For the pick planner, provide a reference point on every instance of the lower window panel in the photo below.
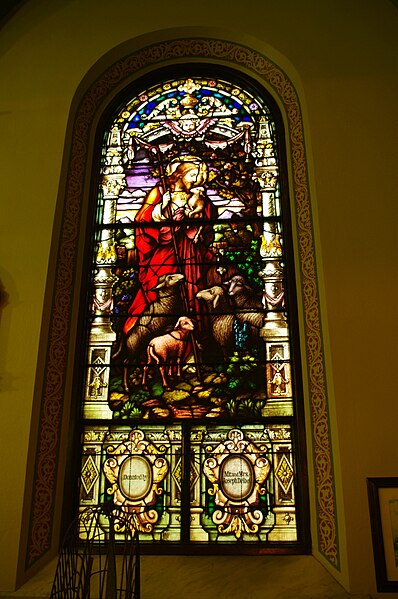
(194, 483)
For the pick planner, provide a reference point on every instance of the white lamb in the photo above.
(168, 349)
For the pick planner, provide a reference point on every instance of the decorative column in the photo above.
(90, 489)
(283, 508)
(196, 482)
(102, 335)
(275, 331)
(172, 532)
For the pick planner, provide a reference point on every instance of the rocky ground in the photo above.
(190, 397)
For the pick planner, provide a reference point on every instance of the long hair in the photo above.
(185, 167)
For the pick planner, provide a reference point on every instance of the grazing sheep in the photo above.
(168, 349)
(248, 304)
(221, 318)
(155, 319)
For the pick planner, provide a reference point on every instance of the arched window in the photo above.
(191, 393)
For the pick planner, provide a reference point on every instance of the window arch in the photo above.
(55, 391)
(192, 399)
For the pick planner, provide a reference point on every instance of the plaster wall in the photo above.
(342, 56)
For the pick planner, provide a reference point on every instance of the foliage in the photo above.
(123, 292)
(246, 407)
(243, 378)
(248, 261)
(241, 365)
(230, 389)
(116, 385)
(132, 407)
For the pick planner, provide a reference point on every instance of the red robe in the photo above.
(157, 255)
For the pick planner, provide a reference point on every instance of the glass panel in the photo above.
(245, 491)
(188, 273)
(188, 321)
(138, 470)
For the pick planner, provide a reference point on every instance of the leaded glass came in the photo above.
(189, 396)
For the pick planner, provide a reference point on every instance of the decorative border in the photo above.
(120, 73)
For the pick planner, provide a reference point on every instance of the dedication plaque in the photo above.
(135, 477)
(237, 478)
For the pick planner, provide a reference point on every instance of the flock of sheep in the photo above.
(162, 335)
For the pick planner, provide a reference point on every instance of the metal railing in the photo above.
(99, 558)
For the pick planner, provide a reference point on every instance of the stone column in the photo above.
(101, 335)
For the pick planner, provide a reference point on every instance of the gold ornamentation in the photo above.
(237, 469)
(135, 468)
(89, 474)
(284, 474)
(288, 518)
(97, 384)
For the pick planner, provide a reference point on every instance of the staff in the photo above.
(154, 151)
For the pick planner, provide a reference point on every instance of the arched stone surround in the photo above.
(52, 395)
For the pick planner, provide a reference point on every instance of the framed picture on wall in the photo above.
(383, 507)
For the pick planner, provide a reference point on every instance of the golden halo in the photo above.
(175, 163)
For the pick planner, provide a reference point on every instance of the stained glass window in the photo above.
(190, 405)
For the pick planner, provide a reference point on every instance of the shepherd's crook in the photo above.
(184, 295)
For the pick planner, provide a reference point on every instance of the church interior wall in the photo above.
(342, 58)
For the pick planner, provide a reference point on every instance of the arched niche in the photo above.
(55, 389)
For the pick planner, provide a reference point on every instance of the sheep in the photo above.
(154, 320)
(195, 206)
(168, 348)
(159, 315)
(217, 273)
(248, 304)
(221, 318)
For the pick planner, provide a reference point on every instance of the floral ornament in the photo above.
(135, 468)
(237, 470)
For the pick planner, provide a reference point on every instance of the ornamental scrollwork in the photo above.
(135, 470)
(237, 470)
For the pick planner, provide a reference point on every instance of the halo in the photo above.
(175, 163)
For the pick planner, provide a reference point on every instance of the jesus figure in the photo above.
(173, 237)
